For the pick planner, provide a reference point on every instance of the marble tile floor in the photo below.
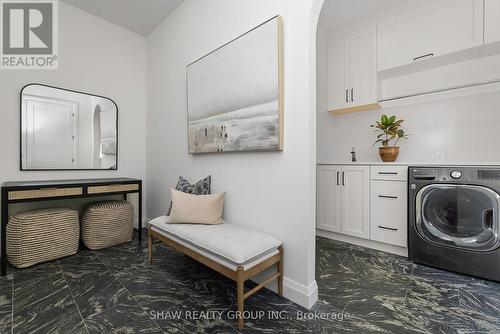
(360, 291)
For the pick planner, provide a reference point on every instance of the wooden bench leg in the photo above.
(280, 270)
(150, 246)
(240, 286)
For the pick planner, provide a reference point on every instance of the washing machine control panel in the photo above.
(427, 175)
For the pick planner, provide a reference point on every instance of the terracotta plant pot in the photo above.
(389, 154)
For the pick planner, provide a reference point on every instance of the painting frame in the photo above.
(278, 137)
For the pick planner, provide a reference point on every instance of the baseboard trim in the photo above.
(402, 251)
(301, 294)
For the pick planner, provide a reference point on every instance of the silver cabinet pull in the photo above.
(347, 95)
(352, 94)
(338, 182)
(424, 56)
(385, 196)
(387, 228)
(388, 173)
(343, 178)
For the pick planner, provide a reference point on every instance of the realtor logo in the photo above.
(29, 34)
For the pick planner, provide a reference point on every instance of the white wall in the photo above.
(271, 192)
(325, 122)
(95, 57)
(464, 128)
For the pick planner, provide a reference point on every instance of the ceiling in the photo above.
(140, 16)
(338, 13)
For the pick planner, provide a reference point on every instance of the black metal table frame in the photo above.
(84, 184)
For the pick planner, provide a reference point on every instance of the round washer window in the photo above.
(459, 216)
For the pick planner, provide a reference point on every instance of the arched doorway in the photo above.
(97, 134)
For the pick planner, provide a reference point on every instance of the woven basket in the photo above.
(42, 235)
(107, 223)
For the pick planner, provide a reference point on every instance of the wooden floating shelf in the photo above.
(365, 107)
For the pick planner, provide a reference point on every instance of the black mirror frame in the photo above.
(61, 169)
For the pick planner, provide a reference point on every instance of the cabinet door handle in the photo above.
(343, 178)
(387, 173)
(338, 182)
(347, 95)
(387, 228)
(352, 94)
(385, 196)
(424, 56)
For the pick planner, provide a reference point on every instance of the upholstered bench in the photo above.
(234, 251)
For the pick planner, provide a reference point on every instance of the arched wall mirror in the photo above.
(63, 129)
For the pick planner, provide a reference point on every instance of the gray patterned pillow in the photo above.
(202, 187)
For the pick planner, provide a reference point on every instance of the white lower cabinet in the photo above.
(389, 212)
(368, 202)
(329, 199)
(343, 200)
(356, 201)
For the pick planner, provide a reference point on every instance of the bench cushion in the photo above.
(230, 242)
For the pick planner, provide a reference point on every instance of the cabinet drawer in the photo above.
(389, 173)
(389, 221)
(44, 193)
(112, 188)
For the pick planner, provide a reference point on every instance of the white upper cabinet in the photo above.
(338, 81)
(363, 66)
(491, 21)
(446, 27)
(352, 81)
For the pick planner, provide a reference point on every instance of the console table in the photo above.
(32, 191)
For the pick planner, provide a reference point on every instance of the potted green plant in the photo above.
(389, 134)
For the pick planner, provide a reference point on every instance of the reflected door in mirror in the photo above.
(50, 134)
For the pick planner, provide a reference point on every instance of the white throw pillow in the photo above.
(196, 209)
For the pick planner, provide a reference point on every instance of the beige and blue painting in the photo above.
(234, 94)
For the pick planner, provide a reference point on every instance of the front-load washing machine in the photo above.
(454, 219)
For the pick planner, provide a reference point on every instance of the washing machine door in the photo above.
(459, 216)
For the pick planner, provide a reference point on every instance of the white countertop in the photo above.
(403, 163)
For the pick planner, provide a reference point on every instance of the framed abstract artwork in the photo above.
(235, 94)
